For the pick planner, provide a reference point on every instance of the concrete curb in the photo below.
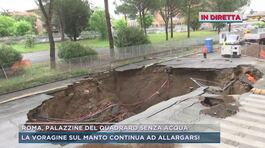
(34, 93)
(258, 91)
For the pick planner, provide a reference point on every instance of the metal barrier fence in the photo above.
(254, 50)
(142, 50)
(38, 74)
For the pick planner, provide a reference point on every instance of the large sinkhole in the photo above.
(115, 96)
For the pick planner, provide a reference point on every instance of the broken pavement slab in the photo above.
(220, 63)
(12, 114)
(137, 65)
(46, 88)
(155, 111)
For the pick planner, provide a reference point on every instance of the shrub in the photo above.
(130, 36)
(69, 50)
(30, 41)
(260, 25)
(148, 21)
(22, 27)
(119, 24)
(9, 56)
(98, 23)
(6, 25)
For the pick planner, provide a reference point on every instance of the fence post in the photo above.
(258, 54)
(80, 60)
(138, 51)
(70, 66)
(4, 72)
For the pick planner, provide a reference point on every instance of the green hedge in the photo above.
(9, 56)
(130, 36)
(69, 50)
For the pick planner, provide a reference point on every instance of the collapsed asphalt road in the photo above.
(115, 96)
(173, 114)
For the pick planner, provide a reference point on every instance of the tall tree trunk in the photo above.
(166, 30)
(219, 28)
(62, 29)
(126, 19)
(188, 24)
(141, 19)
(171, 26)
(48, 18)
(144, 25)
(229, 27)
(111, 43)
(52, 45)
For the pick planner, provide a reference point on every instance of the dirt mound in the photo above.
(221, 110)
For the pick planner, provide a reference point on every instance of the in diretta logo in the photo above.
(220, 17)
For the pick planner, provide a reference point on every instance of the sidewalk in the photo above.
(37, 90)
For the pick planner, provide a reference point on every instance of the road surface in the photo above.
(44, 56)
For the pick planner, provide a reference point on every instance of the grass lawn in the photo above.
(45, 46)
(97, 43)
(38, 47)
(161, 37)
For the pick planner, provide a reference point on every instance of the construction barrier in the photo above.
(258, 91)
(262, 54)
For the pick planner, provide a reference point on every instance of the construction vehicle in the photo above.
(256, 36)
(231, 43)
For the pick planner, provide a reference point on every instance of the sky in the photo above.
(22, 5)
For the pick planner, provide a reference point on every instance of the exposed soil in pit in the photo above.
(220, 106)
(115, 96)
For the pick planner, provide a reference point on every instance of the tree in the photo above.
(167, 9)
(142, 6)
(6, 25)
(174, 9)
(22, 27)
(73, 16)
(5, 12)
(130, 36)
(126, 10)
(59, 19)
(148, 20)
(225, 6)
(99, 24)
(163, 9)
(194, 19)
(119, 24)
(46, 7)
(187, 6)
(218, 26)
(31, 19)
(111, 42)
